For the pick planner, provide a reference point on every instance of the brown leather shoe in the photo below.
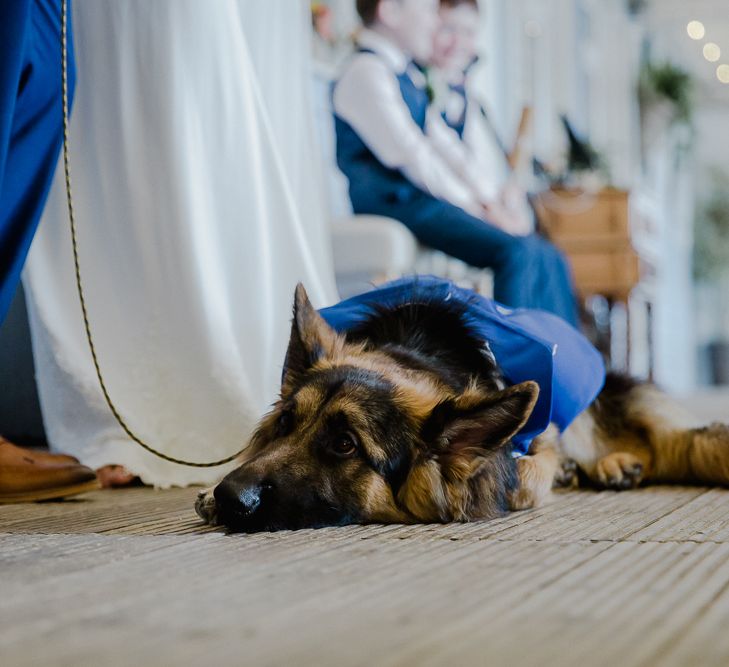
(34, 454)
(24, 479)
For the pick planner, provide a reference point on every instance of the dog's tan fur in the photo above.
(661, 444)
(627, 437)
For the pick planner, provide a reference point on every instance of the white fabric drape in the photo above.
(199, 208)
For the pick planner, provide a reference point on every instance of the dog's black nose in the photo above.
(245, 500)
(239, 500)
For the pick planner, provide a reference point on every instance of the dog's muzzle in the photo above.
(241, 501)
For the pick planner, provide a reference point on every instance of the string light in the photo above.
(696, 30)
(712, 52)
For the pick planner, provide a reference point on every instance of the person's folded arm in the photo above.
(459, 157)
(368, 97)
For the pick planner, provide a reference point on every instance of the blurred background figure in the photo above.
(455, 54)
(623, 153)
(403, 161)
(329, 48)
(322, 22)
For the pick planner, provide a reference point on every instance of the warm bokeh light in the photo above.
(696, 30)
(712, 52)
(722, 73)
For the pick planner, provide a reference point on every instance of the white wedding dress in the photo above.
(199, 208)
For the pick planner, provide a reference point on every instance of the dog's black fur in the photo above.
(428, 342)
(408, 419)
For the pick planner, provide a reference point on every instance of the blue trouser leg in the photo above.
(555, 282)
(30, 126)
(529, 272)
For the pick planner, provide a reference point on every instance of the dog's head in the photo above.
(359, 437)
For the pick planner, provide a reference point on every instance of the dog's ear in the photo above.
(460, 434)
(475, 422)
(311, 338)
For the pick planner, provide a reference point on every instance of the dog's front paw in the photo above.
(534, 487)
(620, 471)
(205, 507)
(566, 475)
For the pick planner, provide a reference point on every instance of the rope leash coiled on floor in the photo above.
(79, 285)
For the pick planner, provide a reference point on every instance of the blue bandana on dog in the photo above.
(528, 345)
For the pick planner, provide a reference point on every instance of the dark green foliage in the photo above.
(711, 231)
(581, 156)
(636, 7)
(668, 82)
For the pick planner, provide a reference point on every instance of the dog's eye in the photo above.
(344, 445)
(285, 423)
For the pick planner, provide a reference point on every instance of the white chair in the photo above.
(372, 249)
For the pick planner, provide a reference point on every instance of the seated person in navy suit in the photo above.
(455, 54)
(403, 161)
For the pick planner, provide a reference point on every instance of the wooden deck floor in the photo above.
(131, 577)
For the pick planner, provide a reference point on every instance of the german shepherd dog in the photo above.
(408, 419)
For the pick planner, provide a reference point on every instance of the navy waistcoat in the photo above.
(458, 124)
(368, 178)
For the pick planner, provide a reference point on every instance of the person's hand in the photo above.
(506, 220)
(512, 195)
(514, 199)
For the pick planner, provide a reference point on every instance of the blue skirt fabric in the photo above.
(31, 127)
(528, 345)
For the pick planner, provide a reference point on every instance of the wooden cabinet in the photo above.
(593, 229)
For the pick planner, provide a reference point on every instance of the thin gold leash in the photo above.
(79, 284)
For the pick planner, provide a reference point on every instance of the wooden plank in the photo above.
(703, 519)
(621, 607)
(637, 578)
(202, 597)
(705, 641)
(583, 515)
(99, 512)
